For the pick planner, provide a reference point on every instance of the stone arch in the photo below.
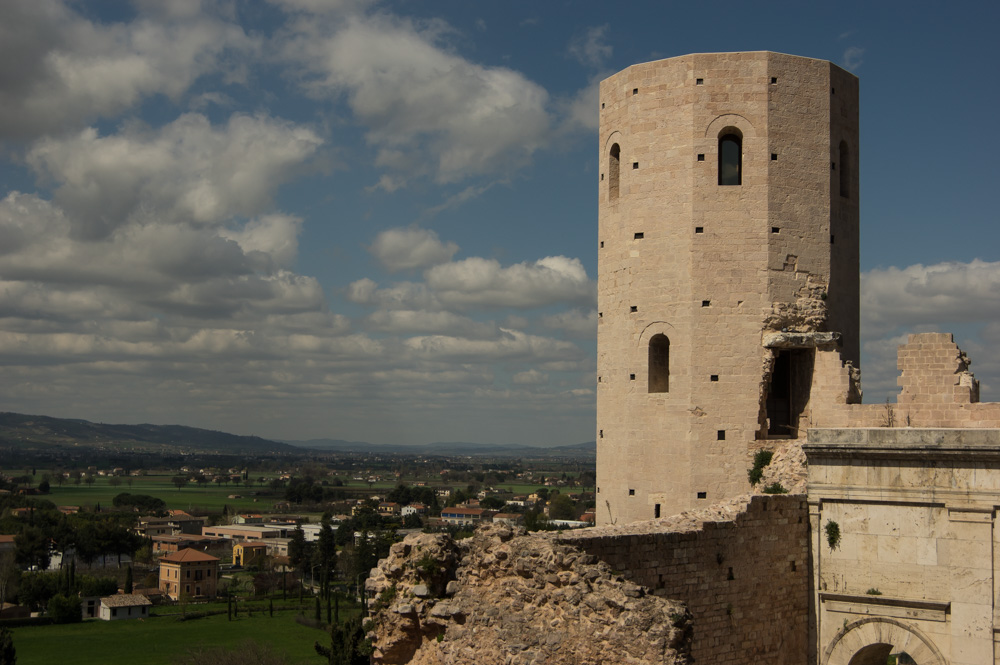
(734, 120)
(868, 639)
(611, 161)
(653, 357)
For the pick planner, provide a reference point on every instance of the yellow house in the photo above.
(248, 554)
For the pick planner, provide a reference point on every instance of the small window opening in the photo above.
(699, 81)
(793, 566)
(833, 166)
(631, 492)
(598, 379)
(775, 229)
(631, 377)
(714, 377)
(602, 244)
(659, 364)
(720, 435)
(602, 177)
(633, 308)
(831, 239)
(730, 576)
(640, 235)
(613, 164)
(730, 158)
(702, 495)
(602, 434)
(833, 91)
(635, 91)
(701, 156)
(774, 156)
(774, 79)
(656, 511)
(602, 105)
(845, 170)
(635, 165)
(699, 229)
(706, 303)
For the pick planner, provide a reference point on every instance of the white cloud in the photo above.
(918, 294)
(404, 249)
(427, 110)
(853, 57)
(590, 47)
(59, 69)
(479, 282)
(530, 377)
(575, 323)
(185, 171)
(511, 345)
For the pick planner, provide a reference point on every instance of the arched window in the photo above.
(845, 170)
(730, 157)
(614, 159)
(659, 364)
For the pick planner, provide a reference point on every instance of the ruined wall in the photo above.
(741, 567)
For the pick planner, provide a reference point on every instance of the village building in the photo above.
(189, 572)
(124, 606)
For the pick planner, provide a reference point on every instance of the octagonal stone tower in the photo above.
(728, 257)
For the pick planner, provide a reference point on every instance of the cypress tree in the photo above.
(7, 654)
(128, 580)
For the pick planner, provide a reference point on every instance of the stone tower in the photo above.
(728, 256)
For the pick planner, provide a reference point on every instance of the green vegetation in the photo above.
(775, 488)
(162, 640)
(832, 534)
(873, 592)
(760, 460)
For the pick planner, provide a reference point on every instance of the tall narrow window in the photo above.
(659, 364)
(730, 158)
(845, 170)
(613, 171)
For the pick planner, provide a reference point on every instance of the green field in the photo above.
(209, 497)
(162, 640)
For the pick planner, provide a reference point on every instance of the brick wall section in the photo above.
(760, 615)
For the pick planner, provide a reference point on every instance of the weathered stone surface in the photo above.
(517, 599)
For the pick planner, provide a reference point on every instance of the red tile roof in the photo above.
(187, 555)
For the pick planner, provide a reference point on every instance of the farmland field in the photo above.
(162, 640)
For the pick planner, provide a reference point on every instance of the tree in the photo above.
(89, 480)
(44, 487)
(7, 654)
(114, 481)
(128, 580)
(561, 507)
(348, 645)
(179, 482)
(9, 575)
(64, 609)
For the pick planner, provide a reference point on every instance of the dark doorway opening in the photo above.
(788, 391)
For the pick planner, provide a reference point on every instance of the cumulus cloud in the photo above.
(404, 249)
(531, 377)
(427, 110)
(185, 171)
(59, 69)
(484, 282)
(574, 323)
(918, 294)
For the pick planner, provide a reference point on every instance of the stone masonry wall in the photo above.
(741, 567)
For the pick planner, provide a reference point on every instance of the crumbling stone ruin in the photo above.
(727, 325)
(503, 597)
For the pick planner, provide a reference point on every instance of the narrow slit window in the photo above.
(845, 170)
(659, 364)
(731, 158)
(614, 160)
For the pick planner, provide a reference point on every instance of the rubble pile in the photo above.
(507, 598)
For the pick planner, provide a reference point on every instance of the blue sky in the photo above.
(377, 220)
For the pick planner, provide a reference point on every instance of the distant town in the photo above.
(159, 531)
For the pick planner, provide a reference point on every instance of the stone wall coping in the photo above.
(867, 599)
(800, 340)
(896, 443)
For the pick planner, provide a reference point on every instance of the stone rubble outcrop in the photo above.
(787, 467)
(504, 597)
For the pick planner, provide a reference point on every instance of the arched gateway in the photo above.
(869, 641)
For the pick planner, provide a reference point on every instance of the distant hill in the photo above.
(24, 430)
(587, 449)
